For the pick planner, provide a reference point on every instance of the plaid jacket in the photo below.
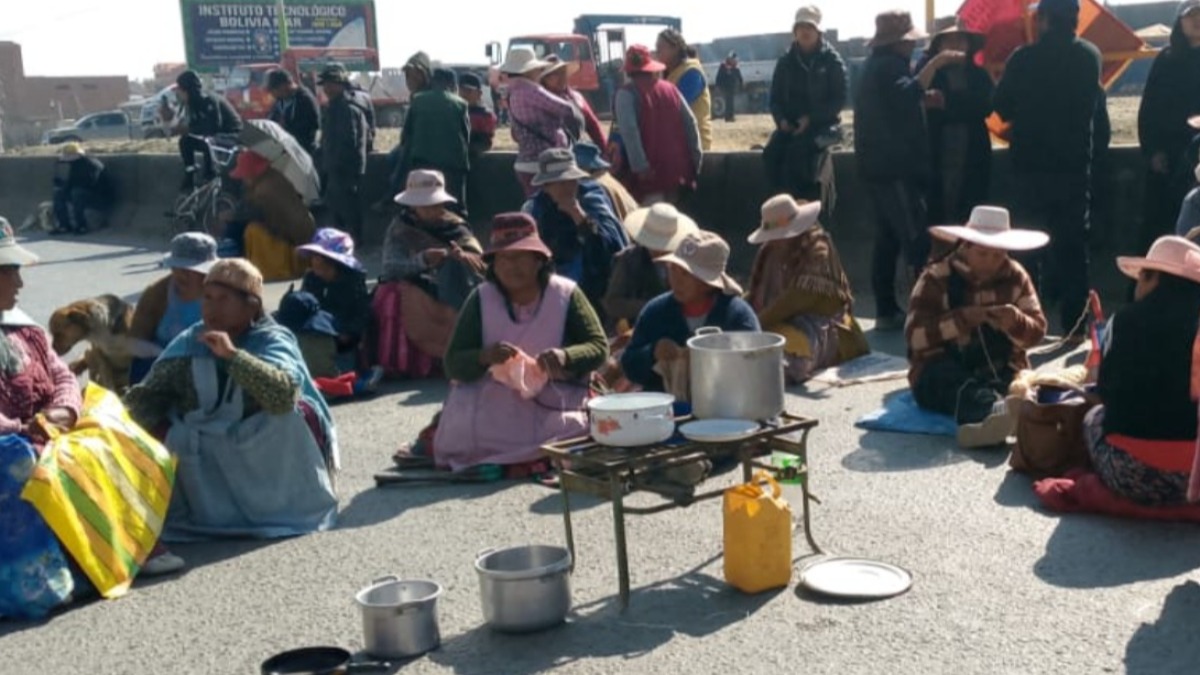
(932, 325)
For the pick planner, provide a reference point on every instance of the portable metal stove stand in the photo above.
(586, 467)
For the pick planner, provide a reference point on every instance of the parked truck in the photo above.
(246, 87)
(596, 49)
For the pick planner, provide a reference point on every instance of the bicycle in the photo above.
(209, 206)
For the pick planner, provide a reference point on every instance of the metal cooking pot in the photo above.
(318, 661)
(525, 588)
(736, 375)
(631, 420)
(400, 617)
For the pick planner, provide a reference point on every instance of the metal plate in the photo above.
(719, 431)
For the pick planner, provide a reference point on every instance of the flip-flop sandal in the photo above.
(405, 459)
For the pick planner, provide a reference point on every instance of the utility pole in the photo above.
(930, 16)
(283, 27)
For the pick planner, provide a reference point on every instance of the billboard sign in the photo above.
(221, 34)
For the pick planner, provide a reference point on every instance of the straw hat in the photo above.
(660, 227)
(557, 165)
(990, 226)
(425, 187)
(12, 253)
(521, 60)
(810, 15)
(1171, 255)
(554, 64)
(515, 232)
(704, 255)
(237, 273)
(783, 217)
(895, 26)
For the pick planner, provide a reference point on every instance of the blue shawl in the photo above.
(277, 346)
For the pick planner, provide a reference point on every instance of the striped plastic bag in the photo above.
(104, 488)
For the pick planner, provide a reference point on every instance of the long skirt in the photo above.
(1125, 475)
(412, 330)
(274, 257)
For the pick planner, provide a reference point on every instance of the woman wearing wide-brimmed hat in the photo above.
(972, 316)
(557, 79)
(526, 342)
(1142, 440)
(957, 105)
(539, 118)
(659, 140)
(702, 294)
(431, 263)
(637, 277)
(800, 290)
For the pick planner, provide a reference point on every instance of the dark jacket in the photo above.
(1145, 375)
(890, 137)
(663, 319)
(729, 78)
(437, 131)
(347, 299)
(362, 100)
(1049, 93)
(210, 114)
(344, 139)
(635, 281)
(968, 109)
(300, 116)
(87, 173)
(1172, 95)
(812, 85)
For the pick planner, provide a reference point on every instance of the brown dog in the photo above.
(103, 322)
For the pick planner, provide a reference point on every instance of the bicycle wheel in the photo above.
(183, 218)
(218, 214)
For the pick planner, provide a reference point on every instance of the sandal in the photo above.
(405, 459)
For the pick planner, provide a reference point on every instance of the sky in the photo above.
(127, 37)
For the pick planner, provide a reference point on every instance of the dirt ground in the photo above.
(747, 132)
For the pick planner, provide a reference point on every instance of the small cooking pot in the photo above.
(400, 617)
(318, 661)
(631, 420)
(524, 589)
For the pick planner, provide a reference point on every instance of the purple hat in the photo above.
(335, 245)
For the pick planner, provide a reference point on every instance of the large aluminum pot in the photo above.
(525, 588)
(632, 420)
(736, 375)
(400, 617)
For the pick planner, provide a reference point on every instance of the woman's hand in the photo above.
(974, 316)
(497, 354)
(554, 362)
(434, 257)
(62, 419)
(219, 343)
(666, 350)
(1004, 317)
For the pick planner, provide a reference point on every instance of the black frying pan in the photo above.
(318, 661)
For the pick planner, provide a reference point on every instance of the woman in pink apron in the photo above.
(520, 357)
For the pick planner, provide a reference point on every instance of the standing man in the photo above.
(437, 135)
(295, 109)
(729, 82)
(344, 134)
(808, 92)
(204, 115)
(892, 147)
(483, 121)
(418, 77)
(1049, 94)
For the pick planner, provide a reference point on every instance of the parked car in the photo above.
(111, 125)
(158, 114)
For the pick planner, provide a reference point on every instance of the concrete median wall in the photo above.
(732, 187)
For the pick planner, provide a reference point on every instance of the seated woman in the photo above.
(524, 315)
(701, 295)
(1142, 439)
(277, 219)
(800, 291)
(338, 281)
(576, 220)
(171, 305)
(254, 439)
(971, 317)
(431, 263)
(40, 398)
(637, 276)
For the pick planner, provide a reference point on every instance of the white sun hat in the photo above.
(521, 60)
(991, 226)
(783, 217)
(660, 227)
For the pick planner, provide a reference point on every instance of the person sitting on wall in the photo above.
(85, 187)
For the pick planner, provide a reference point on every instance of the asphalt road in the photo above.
(1001, 587)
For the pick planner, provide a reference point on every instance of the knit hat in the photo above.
(470, 81)
(704, 255)
(237, 273)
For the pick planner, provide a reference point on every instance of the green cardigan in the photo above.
(583, 340)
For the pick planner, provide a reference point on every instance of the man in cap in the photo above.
(729, 82)
(892, 146)
(295, 109)
(1049, 94)
(343, 154)
(204, 115)
(808, 92)
(418, 77)
(436, 135)
(483, 121)
(84, 187)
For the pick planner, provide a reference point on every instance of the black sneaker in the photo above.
(188, 183)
